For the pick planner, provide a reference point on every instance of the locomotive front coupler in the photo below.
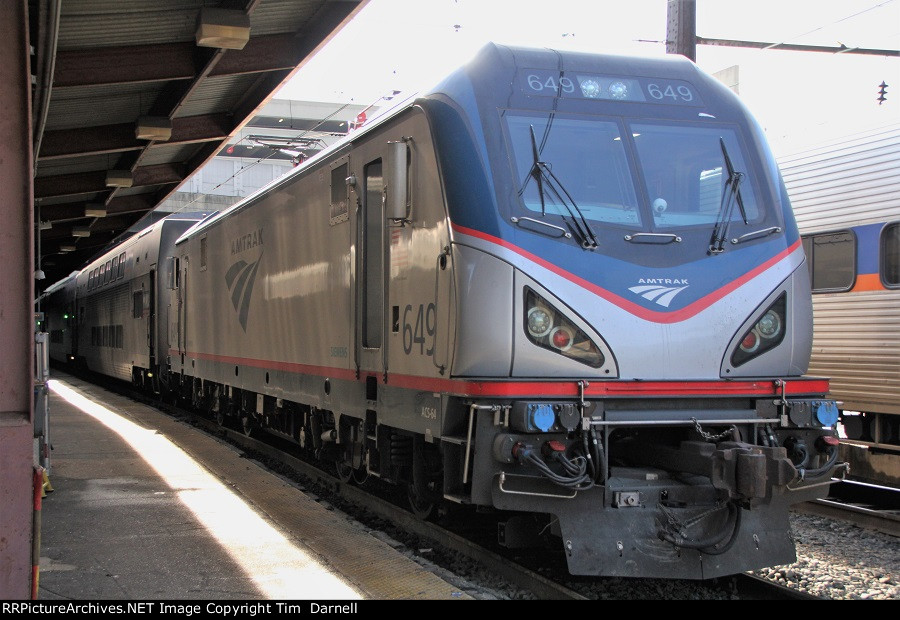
(741, 472)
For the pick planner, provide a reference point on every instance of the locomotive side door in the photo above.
(371, 282)
(177, 327)
(151, 319)
(182, 307)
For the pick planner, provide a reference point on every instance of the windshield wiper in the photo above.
(731, 196)
(536, 172)
(542, 172)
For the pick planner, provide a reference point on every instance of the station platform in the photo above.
(144, 507)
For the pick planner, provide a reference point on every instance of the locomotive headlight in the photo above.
(765, 334)
(539, 322)
(548, 328)
(618, 90)
(769, 326)
(590, 89)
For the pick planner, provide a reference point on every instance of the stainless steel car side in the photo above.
(121, 309)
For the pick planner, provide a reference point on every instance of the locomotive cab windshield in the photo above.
(656, 182)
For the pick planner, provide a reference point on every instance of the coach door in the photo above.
(371, 281)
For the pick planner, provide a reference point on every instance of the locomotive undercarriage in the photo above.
(672, 488)
(357, 447)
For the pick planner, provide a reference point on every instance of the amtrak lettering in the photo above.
(666, 281)
(245, 242)
(659, 290)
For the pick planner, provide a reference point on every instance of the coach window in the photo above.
(831, 258)
(890, 255)
(121, 265)
(339, 211)
(115, 268)
(203, 253)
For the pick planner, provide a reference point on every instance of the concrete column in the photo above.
(16, 304)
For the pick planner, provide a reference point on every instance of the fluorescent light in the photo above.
(119, 178)
(225, 28)
(153, 128)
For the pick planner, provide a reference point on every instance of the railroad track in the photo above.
(753, 588)
(869, 506)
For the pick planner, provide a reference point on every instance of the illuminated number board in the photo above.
(607, 87)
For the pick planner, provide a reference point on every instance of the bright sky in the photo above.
(800, 98)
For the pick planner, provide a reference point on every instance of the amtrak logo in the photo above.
(240, 279)
(659, 290)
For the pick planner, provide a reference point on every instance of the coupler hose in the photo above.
(675, 532)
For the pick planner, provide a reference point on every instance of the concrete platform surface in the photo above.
(145, 507)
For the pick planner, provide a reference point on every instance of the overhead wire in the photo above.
(243, 169)
(843, 19)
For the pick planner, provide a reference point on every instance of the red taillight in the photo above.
(750, 342)
(561, 338)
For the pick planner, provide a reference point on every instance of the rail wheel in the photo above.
(347, 473)
(249, 425)
(344, 471)
(360, 476)
(424, 505)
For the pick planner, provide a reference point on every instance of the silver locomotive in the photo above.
(568, 288)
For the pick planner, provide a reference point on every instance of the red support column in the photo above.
(16, 305)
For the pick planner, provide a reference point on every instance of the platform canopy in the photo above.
(130, 98)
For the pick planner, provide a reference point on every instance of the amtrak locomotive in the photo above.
(567, 288)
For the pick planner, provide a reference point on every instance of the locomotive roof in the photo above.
(492, 60)
(115, 250)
